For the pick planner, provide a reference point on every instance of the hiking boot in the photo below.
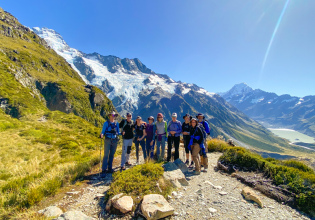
(123, 168)
(191, 164)
(196, 172)
(110, 171)
(128, 163)
(103, 173)
(201, 165)
(205, 170)
(187, 162)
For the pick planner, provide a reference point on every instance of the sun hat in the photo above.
(187, 115)
(113, 113)
(160, 115)
(151, 118)
(200, 114)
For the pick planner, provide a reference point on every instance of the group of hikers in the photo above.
(151, 134)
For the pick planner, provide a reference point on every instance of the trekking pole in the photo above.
(183, 148)
(100, 157)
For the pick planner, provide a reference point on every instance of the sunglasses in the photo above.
(129, 116)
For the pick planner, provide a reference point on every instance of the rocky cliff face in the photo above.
(274, 111)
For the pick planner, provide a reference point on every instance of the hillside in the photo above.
(49, 118)
(272, 110)
(133, 87)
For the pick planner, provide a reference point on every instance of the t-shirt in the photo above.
(150, 131)
(139, 130)
(128, 128)
(185, 127)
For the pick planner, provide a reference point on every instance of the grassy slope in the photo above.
(39, 156)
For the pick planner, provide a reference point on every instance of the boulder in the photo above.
(110, 201)
(175, 175)
(124, 204)
(51, 211)
(155, 206)
(250, 195)
(74, 215)
(181, 165)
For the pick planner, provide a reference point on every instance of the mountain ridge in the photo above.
(274, 110)
(134, 91)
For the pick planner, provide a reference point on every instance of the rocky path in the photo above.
(211, 195)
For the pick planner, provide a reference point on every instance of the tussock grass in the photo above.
(294, 175)
(37, 158)
(140, 181)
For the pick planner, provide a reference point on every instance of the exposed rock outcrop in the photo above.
(51, 211)
(56, 98)
(175, 175)
(155, 206)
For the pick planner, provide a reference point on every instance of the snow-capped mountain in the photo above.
(135, 88)
(121, 79)
(272, 110)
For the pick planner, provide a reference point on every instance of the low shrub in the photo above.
(139, 181)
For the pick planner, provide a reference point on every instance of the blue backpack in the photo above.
(202, 128)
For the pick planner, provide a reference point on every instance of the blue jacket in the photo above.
(111, 130)
(175, 126)
(206, 126)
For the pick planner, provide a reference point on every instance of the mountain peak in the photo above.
(237, 89)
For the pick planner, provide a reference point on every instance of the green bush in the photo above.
(139, 181)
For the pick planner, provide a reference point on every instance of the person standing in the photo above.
(127, 127)
(150, 137)
(203, 154)
(110, 131)
(139, 137)
(196, 140)
(174, 129)
(161, 136)
(186, 138)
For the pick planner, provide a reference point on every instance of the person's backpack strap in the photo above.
(166, 129)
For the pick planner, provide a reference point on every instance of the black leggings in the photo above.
(186, 139)
(170, 141)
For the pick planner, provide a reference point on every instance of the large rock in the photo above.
(124, 204)
(175, 175)
(250, 195)
(111, 201)
(51, 211)
(74, 215)
(181, 165)
(155, 206)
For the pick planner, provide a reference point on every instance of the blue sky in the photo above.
(213, 43)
